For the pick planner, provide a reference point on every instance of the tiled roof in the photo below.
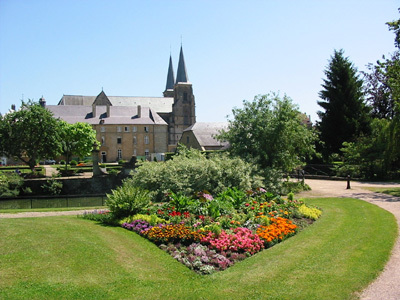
(118, 114)
(157, 104)
(205, 133)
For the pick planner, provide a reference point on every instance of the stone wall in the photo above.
(78, 186)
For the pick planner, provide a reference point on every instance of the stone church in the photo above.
(145, 127)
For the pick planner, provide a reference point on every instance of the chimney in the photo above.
(42, 102)
(139, 111)
(108, 110)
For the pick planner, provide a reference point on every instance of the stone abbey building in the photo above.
(145, 127)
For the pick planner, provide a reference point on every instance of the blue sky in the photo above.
(233, 50)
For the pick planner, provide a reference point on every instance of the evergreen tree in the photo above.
(345, 115)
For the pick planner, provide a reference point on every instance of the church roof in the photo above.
(205, 133)
(118, 114)
(182, 73)
(157, 104)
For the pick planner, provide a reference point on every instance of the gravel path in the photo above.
(42, 214)
(386, 286)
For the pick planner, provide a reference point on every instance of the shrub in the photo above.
(62, 162)
(190, 172)
(127, 200)
(52, 186)
(113, 172)
(73, 162)
(10, 184)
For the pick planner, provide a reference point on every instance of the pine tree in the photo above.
(345, 115)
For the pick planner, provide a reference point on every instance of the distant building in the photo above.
(145, 127)
(202, 136)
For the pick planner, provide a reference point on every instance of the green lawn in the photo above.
(389, 191)
(73, 258)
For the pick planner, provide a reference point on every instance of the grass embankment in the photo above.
(72, 258)
(390, 191)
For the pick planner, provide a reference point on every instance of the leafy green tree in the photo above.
(29, 134)
(378, 87)
(270, 133)
(345, 115)
(383, 91)
(367, 156)
(76, 139)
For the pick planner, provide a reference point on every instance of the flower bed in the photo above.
(209, 234)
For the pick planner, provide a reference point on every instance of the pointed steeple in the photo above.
(181, 74)
(170, 76)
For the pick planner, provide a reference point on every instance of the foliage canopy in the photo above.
(270, 132)
(76, 139)
(29, 134)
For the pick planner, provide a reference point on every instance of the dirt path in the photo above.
(386, 286)
(42, 214)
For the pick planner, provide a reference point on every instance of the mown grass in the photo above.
(395, 191)
(73, 258)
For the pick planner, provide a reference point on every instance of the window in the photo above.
(187, 140)
(134, 152)
(146, 152)
(146, 139)
(119, 154)
(119, 129)
(103, 140)
(185, 98)
(102, 129)
(126, 129)
(134, 140)
(119, 140)
(134, 128)
(146, 128)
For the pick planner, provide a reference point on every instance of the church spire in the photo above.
(170, 76)
(169, 88)
(181, 74)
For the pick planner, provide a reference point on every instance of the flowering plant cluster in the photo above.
(241, 240)
(172, 233)
(201, 259)
(210, 233)
(137, 226)
(279, 229)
